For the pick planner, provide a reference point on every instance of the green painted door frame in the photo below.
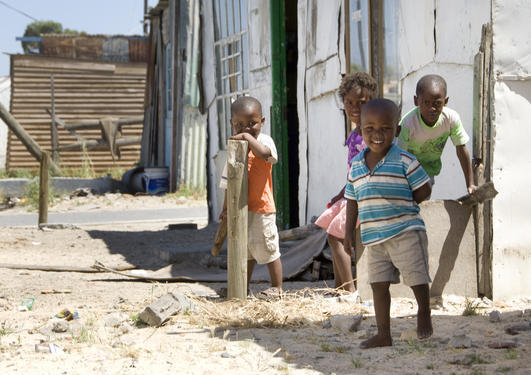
(279, 126)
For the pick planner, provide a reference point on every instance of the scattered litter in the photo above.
(49, 227)
(26, 304)
(226, 355)
(56, 291)
(34, 243)
(67, 315)
(82, 192)
(48, 348)
(60, 326)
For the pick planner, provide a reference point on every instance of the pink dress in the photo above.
(334, 218)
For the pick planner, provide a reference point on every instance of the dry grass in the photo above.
(306, 307)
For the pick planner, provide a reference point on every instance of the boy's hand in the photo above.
(471, 189)
(223, 214)
(239, 137)
(349, 244)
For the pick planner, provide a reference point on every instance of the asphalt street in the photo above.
(100, 217)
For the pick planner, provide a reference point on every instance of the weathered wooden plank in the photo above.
(237, 219)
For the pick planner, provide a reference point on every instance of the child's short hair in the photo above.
(359, 80)
(385, 105)
(429, 80)
(244, 101)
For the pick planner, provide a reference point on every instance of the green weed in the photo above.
(325, 347)
(471, 308)
(356, 362)
(187, 192)
(503, 370)
(511, 354)
(31, 195)
(476, 358)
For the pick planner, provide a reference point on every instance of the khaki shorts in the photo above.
(263, 238)
(405, 254)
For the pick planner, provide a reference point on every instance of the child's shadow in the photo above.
(459, 219)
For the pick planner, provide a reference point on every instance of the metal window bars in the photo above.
(230, 46)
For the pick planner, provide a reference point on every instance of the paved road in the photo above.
(100, 217)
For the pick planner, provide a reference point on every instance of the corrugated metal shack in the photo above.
(93, 77)
(174, 125)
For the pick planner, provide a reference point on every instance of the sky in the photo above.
(92, 16)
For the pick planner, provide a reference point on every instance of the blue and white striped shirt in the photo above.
(386, 206)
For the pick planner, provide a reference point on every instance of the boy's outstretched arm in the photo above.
(352, 217)
(259, 149)
(466, 166)
(422, 193)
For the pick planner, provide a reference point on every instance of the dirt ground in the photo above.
(107, 337)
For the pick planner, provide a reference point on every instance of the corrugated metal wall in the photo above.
(83, 90)
(96, 47)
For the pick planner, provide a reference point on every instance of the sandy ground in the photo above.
(105, 338)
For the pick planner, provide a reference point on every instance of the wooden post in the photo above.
(237, 219)
(53, 128)
(32, 146)
(43, 189)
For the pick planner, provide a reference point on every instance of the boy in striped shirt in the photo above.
(384, 188)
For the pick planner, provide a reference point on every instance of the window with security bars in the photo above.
(231, 51)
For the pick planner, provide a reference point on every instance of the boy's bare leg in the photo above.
(250, 268)
(382, 306)
(422, 295)
(342, 265)
(275, 272)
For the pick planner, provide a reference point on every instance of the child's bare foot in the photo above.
(424, 327)
(376, 341)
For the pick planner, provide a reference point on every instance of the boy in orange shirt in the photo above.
(263, 245)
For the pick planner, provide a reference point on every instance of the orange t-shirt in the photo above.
(260, 185)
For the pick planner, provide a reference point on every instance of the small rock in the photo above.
(460, 341)
(226, 355)
(502, 344)
(463, 326)
(408, 334)
(113, 320)
(494, 316)
(516, 329)
(60, 326)
(527, 312)
(346, 323)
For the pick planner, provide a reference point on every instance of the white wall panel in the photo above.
(458, 24)
(512, 44)
(327, 156)
(322, 36)
(323, 78)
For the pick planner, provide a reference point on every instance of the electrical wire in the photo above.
(17, 10)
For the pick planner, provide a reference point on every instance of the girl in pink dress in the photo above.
(356, 89)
